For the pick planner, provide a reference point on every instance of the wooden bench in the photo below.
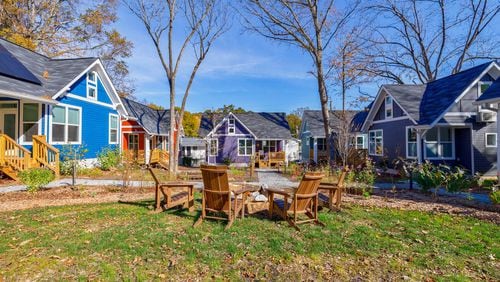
(180, 198)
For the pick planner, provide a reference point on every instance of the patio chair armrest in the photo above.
(305, 196)
(242, 190)
(279, 192)
(329, 186)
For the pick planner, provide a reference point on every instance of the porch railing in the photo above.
(45, 155)
(13, 156)
(159, 157)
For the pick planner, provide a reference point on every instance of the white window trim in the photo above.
(486, 140)
(382, 135)
(386, 108)
(39, 122)
(93, 85)
(251, 150)
(231, 126)
(210, 147)
(356, 141)
(480, 83)
(117, 129)
(16, 111)
(439, 147)
(79, 142)
(408, 143)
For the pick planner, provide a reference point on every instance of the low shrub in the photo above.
(92, 172)
(35, 178)
(227, 161)
(457, 179)
(428, 176)
(495, 196)
(108, 158)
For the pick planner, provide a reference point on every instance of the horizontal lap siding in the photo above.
(394, 139)
(484, 158)
(228, 144)
(95, 126)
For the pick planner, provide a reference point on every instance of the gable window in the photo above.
(388, 107)
(113, 129)
(213, 147)
(411, 143)
(66, 124)
(92, 85)
(483, 85)
(439, 143)
(231, 129)
(30, 121)
(245, 147)
(490, 139)
(321, 144)
(376, 142)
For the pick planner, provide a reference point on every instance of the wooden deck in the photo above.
(269, 160)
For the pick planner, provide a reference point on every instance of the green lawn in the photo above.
(124, 242)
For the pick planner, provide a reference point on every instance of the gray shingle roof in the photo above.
(60, 71)
(263, 125)
(493, 92)
(153, 121)
(426, 102)
(314, 121)
(192, 141)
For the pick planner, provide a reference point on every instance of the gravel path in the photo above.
(272, 178)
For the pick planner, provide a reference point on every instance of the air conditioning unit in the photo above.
(486, 116)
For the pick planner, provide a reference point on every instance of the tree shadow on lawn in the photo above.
(177, 210)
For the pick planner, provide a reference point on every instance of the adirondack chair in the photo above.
(334, 197)
(303, 201)
(170, 199)
(218, 198)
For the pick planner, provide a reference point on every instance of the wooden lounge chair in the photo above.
(334, 198)
(217, 196)
(179, 198)
(304, 200)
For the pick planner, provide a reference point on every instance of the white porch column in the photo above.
(419, 146)
(498, 142)
(315, 150)
(146, 147)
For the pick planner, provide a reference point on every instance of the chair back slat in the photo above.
(215, 178)
(308, 185)
(342, 178)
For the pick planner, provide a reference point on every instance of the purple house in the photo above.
(444, 121)
(235, 138)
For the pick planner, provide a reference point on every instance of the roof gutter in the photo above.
(19, 95)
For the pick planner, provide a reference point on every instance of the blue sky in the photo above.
(243, 69)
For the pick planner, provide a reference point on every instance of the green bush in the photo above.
(457, 179)
(227, 161)
(428, 176)
(35, 178)
(108, 158)
(495, 196)
(367, 175)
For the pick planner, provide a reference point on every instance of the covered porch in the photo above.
(269, 153)
(24, 135)
(142, 148)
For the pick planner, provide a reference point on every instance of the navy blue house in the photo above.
(63, 101)
(443, 121)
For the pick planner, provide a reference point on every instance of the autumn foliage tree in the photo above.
(69, 28)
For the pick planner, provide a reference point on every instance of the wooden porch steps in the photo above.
(8, 171)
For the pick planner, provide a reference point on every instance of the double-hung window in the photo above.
(358, 142)
(213, 147)
(439, 143)
(388, 107)
(321, 144)
(490, 139)
(376, 142)
(66, 124)
(30, 121)
(92, 85)
(113, 129)
(411, 143)
(245, 147)
(231, 129)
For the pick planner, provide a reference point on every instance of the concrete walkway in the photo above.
(271, 178)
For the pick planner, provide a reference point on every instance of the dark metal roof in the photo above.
(263, 125)
(153, 121)
(313, 119)
(54, 74)
(493, 92)
(426, 102)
